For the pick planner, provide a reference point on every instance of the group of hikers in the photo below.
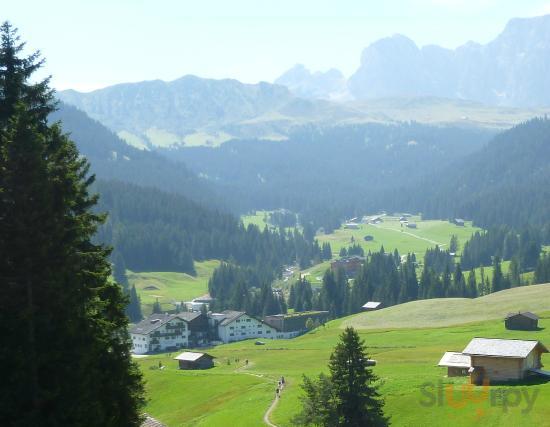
(280, 386)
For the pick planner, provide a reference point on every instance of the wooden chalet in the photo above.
(499, 360)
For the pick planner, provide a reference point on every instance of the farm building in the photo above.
(411, 225)
(459, 221)
(192, 360)
(351, 226)
(496, 360)
(292, 325)
(371, 306)
(351, 264)
(525, 321)
(457, 364)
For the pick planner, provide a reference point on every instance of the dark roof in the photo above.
(524, 314)
(155, 321)
(230, 316)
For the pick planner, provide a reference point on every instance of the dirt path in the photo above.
(242, 370)
(272, 408)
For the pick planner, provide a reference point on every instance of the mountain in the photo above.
(112, 158)
(196, 111)
(505, 182)
(511, 70)
(318, 85)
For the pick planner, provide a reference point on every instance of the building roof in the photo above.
(496, 347)
(190, 356)
(155, 321)
(230, 316)
(372, 304)
(527, 314)
(151, 422)
(204, 298)
(454, 359)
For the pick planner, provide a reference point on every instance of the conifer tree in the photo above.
(157, 308)
(349, 396)
(358, 401)
(134, 306)
(498, 283)
(64, 330)
(471, 285)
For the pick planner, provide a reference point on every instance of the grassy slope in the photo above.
(172, 286)
(407, 359)
(452, 311)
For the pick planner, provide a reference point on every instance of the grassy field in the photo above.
(235, 394)
(169, 286)
(257, 218)
(392, 236)
(452, 311)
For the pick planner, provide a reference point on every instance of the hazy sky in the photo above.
(90, 44)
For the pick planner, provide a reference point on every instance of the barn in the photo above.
(192, 360)
(525, 321)
(499, 360)
(457, 364)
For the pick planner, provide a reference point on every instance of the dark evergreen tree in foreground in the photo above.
(65, 350)
(348, 396)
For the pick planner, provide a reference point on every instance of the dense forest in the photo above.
(506, 182)
(112, 159)
(157, 231)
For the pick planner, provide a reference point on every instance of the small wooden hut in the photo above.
(192, 360)
(525, 321)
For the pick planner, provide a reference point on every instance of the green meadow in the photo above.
(169, 286)
(392, 235)
(416, 391)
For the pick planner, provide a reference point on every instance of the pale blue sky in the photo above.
(92, 44)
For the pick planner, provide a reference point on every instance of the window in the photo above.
(242, 327)
(259, 332)
(268, 331)
(231, 327)
(231, 334)
(248, 320)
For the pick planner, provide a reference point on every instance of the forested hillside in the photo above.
(158, 231)
(329, 173)
(505, 182)
(112, 158)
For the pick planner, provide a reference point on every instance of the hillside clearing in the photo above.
(170, 286)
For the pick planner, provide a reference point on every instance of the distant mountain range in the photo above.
(473, 85)
(195, 111)
(509, 71)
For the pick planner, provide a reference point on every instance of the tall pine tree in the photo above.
(66, 345)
